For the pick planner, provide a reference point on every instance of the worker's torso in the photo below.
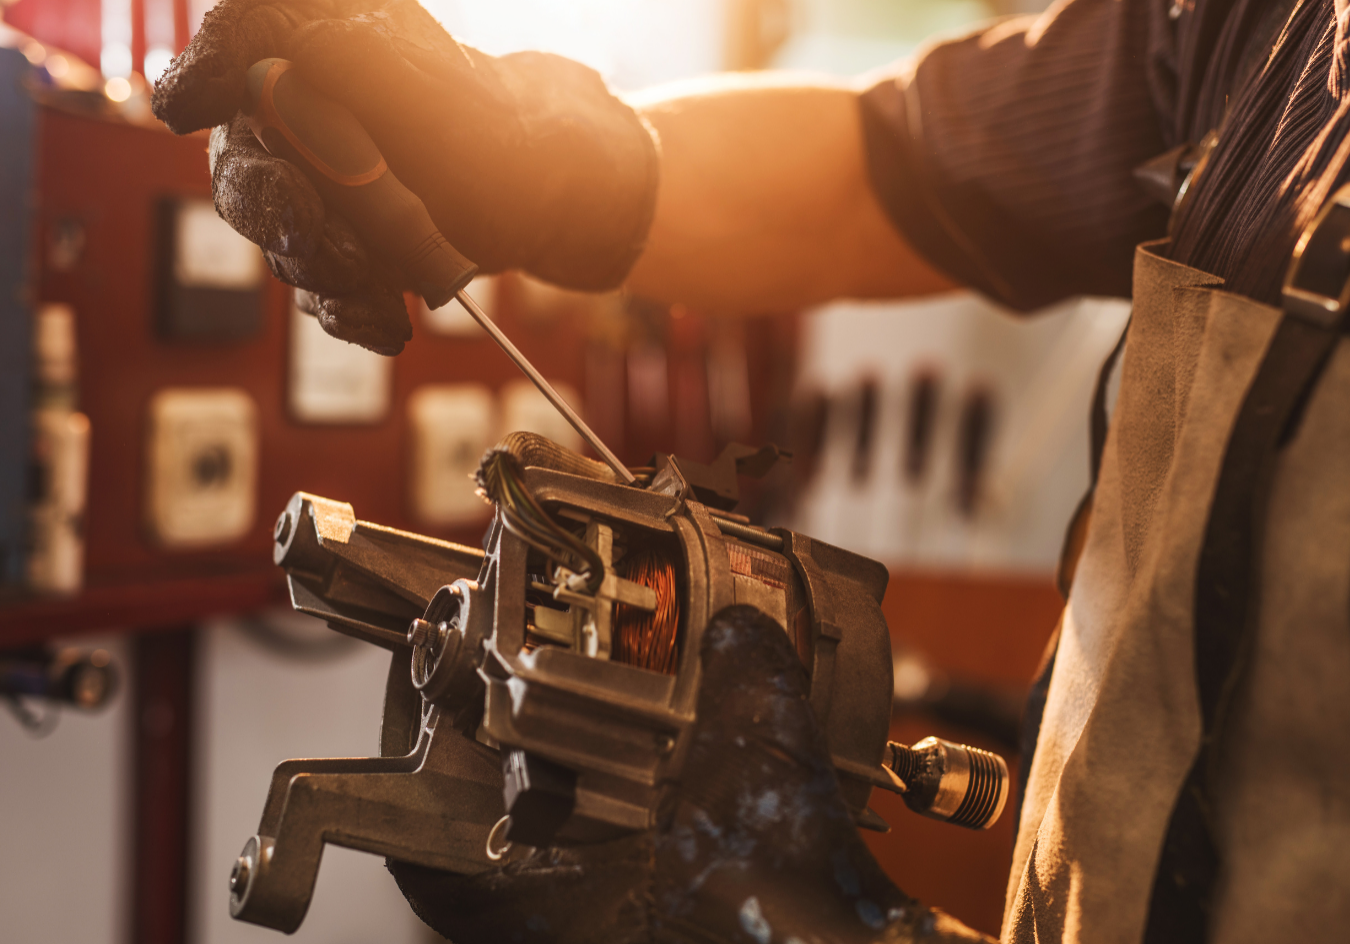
(1122, 723)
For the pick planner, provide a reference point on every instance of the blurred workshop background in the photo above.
(161, 398)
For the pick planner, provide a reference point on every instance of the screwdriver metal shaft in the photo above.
(545, 387)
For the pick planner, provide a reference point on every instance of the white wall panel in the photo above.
(255, 709)
(63, 824)
(1039, 371)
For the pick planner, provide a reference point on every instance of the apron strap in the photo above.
(1075, 536)
(1099, 422)
(1316, 293)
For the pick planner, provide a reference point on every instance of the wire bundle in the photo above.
(501, 481)
(645, 639)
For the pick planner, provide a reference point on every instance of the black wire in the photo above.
(522, 503)
(523, 524)
(501, 479)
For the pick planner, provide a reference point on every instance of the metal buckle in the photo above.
(1198, 159)
(1317, 286)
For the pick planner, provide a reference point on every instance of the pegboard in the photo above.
(99, 184)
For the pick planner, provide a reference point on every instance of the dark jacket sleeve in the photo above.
(1005, 157)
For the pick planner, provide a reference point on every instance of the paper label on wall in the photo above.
(202, 465)
(452, 319)
(525, 409)
(332, 381)
(451, 426)
(55, 561)
(208, 253)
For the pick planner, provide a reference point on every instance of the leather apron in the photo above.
(1122, 721)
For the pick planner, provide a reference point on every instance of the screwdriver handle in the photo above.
(325, 140)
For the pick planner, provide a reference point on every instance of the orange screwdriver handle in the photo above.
(294, 122)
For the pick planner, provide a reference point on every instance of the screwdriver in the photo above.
(295, 122)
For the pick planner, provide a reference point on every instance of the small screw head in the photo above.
(239, 875)
(420, 632)
(282, 531)
(665, 743)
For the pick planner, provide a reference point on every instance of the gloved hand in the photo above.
(756, 845)
(523, 161)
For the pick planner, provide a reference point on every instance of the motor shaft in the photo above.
(954, 783)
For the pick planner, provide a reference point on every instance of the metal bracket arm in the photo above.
(434, 807)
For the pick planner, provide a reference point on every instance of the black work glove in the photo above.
(757, 845)
(524, 161)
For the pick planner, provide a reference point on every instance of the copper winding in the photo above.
(645, 639)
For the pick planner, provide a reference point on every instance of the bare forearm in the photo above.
(764, 202)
